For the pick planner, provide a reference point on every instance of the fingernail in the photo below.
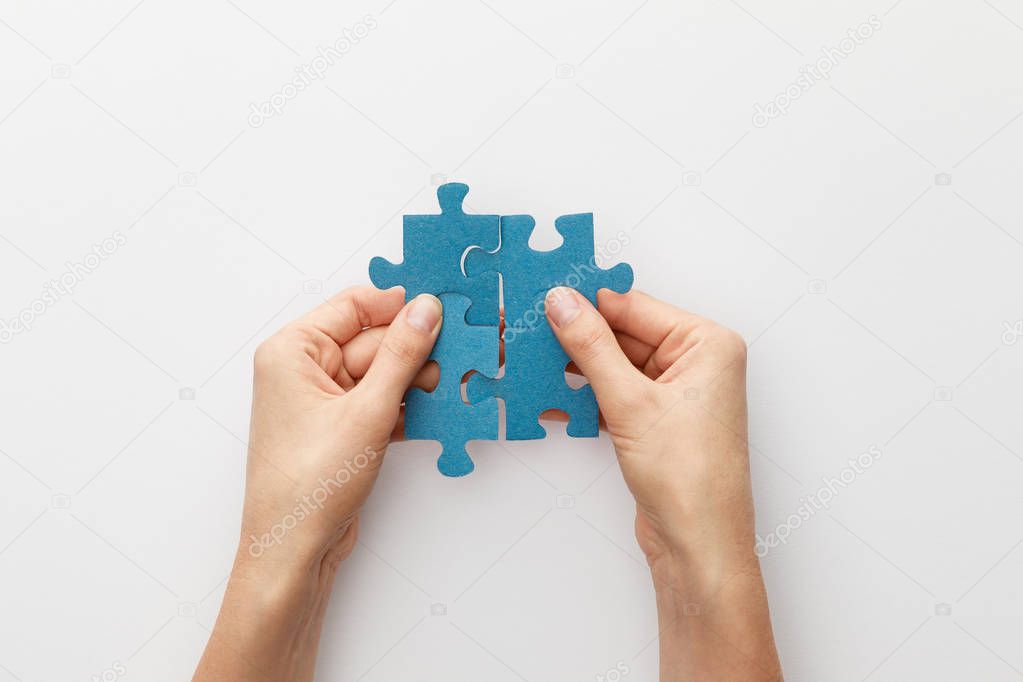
(562, 305)
(425, 312)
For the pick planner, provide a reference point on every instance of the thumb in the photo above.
(589, 341)
(405, 347)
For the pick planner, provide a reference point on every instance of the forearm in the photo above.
(711, 599)
(713, 619)
(269, 623)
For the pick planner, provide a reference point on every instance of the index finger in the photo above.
(644, 317)
(347, 313)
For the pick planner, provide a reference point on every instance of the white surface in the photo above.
(654, 134)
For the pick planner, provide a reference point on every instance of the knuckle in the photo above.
(301, 339)
(402, 351)
(591, 342)
(267, 353)
(354, 304)
(290, 340)
(730, 343)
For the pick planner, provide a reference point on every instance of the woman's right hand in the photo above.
(672, 390)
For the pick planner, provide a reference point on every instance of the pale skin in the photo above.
(327, 399)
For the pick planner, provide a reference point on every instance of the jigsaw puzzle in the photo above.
(433, 247)
(496, 254)
(534, 362)
(441, 414)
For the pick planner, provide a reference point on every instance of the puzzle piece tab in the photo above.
(534, 376)
(433, 248)
(441, 414)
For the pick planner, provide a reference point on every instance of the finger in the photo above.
(637, 352)
(404, 348)
(358, 355)
(670, 331)
(359, 352)
(643, 317)
(590, 343)
(346, 314)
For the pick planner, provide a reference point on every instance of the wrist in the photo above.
(713, 620)
(295, 541)
(292, 571)
(700, 543)
(269, 622)
(699, 521)
(271, 583)
(690, 575)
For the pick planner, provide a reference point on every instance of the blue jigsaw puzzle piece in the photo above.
(534, 376)
(533, 382)
(433, 247)
(441, 414)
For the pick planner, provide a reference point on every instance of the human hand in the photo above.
(671, 389)
(672, 392)
(326, 401)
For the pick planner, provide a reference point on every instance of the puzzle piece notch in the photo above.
(534, 378)
(433, 246)
(441, 414)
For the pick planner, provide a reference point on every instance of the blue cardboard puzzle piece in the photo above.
(442, 415)
(534, 375)
(433, 248)
(533, 382)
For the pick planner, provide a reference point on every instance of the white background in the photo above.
(874, 298)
